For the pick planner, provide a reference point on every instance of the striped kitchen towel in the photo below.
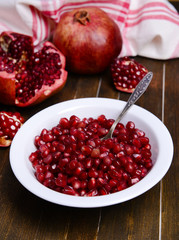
(149, 28)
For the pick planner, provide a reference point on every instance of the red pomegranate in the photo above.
(127, 73)
(29, 75)
(88, 38)
(9, 125)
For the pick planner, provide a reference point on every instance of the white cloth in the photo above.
(149, 28)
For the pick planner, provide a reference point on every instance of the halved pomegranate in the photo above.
(29, 74)
(127, 73)
(9, 125)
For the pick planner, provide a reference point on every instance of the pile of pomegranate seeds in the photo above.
(127, 73)
(71, 158)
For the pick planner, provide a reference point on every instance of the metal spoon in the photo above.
(137, 93)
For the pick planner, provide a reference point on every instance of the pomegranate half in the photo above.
(29, 75)
(88, 38)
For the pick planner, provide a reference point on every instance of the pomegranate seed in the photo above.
(64, 123)
(130, 125)
(39, 168)
(83, 175)
(40, 177)
(95, 153)
(92, 193)
(69, 190)
(136, 142)
(86, 150)
(113, 183)
(76, 184)
(84, 184)
(97, 162)
(61, 182)
(134, 180)
(56, 131)
(88, 163)
(101, 181)
(102, 132)
(144, 140)
(129, 167)
(33, 156)
(139, 133)
(48, 159)
(128, 149)
(137, 157)
(93, 173)
(92, 183)
(118, 147)
(148, 163)
(73, 164)
(146, 153)
(48, 174)
(107, 161)
(103, 191)
(78, 171)
(115, 174)
(82, 192)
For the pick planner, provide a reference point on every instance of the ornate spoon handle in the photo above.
(137, 93)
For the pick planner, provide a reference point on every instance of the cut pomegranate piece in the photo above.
(28, 75)
(94, 166)
(9, 125)
(127, 73)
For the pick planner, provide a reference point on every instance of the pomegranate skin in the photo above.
(89, 39)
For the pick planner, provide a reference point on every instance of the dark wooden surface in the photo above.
(151, 216)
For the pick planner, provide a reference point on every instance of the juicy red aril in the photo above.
(9, 125)
(72, 159)
(36, 74)
(126, 73)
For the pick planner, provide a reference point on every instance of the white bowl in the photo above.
(23, 145)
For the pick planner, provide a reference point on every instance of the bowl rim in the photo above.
(21, 166)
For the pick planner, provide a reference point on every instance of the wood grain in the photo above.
(170, 183)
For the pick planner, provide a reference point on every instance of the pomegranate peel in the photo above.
(29, 75)
(7, 88)
(126, 73)
(9, 125)
(88, 38)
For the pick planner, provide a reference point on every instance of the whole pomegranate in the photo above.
(9, 125)
(29, 75)
(88, 38)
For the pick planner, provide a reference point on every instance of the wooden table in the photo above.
(151, 216)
